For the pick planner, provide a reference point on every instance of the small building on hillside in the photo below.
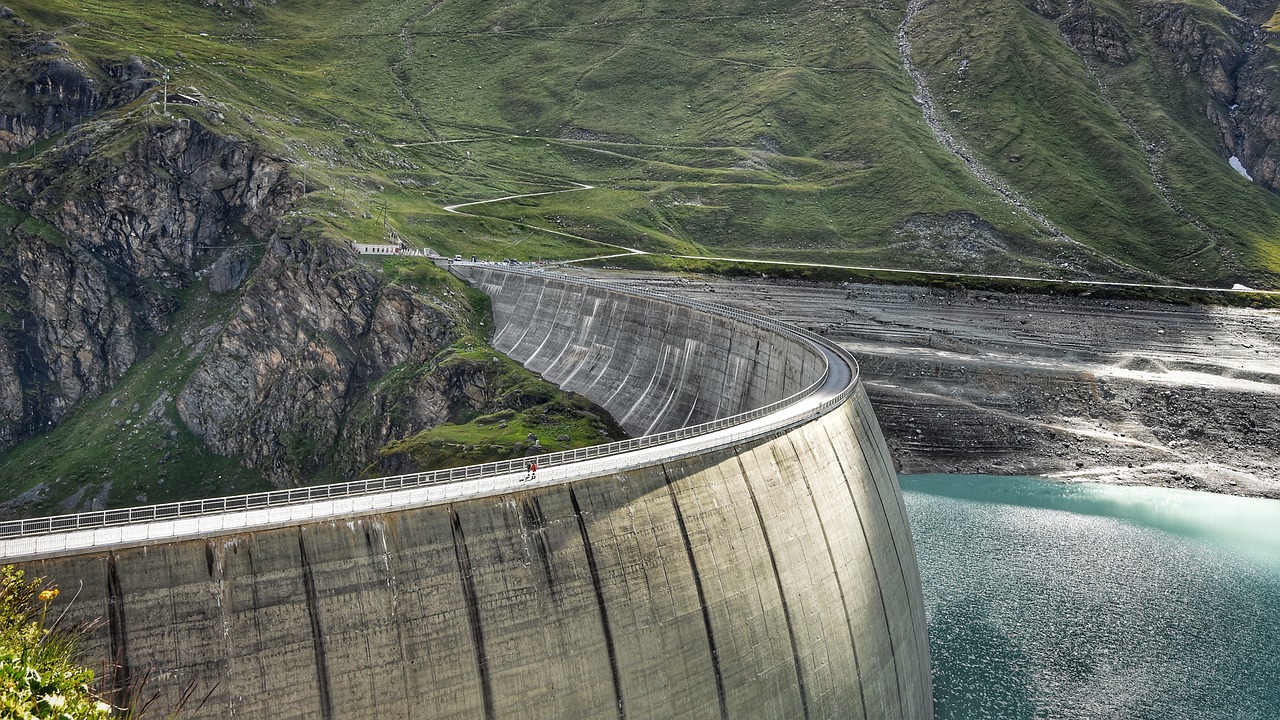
(376, 249)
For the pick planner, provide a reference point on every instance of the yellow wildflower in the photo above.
(48, 595)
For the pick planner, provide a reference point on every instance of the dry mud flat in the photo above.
(1099, 390)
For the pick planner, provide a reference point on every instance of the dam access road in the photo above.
(1083, 388)
(766, 572)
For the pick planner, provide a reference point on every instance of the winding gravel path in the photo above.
(580, 186)
(454, 208)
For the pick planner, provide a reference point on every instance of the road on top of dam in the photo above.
(840, 375)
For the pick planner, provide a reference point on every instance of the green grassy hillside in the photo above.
(764, 130)
(1090, 144)
(761, 129)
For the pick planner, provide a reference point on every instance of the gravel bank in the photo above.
(1077, 388)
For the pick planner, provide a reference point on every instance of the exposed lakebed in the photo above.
(1109, 391)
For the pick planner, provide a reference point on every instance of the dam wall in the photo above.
(653, 364)
(772, 577)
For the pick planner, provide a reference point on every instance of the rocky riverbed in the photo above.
(1079, 388)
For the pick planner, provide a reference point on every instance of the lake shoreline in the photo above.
(1070, 388)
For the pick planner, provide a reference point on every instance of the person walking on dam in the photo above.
(533, 471)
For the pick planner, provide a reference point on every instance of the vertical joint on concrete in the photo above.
(879, 583)
(537, 523)
(120, 671)
(317, 631)
(702, 597)
(782, 595)
(835, 570)
(604, 609)
(463, 557)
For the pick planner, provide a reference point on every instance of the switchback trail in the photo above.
(454, 208)
(580, 186)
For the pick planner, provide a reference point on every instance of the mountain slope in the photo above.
(767, 129)
(178, 285)
(1097, 115)
(170, 329)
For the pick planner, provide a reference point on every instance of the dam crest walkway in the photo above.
(107, 529)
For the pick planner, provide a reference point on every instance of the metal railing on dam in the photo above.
(746, 556)
(835, 385)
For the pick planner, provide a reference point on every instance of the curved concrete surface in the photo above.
(768, 575)
(653, 364)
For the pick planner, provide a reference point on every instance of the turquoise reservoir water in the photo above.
(1048, 600)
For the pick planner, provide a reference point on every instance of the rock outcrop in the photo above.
(102, 248)
(1225, 58)
(48, 91)
(281, 385)
(1089, 30)
(1255, 133)
(99, 246)
(1197, 49)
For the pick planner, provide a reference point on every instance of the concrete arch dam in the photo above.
(759, 570)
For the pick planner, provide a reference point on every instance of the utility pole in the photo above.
(164, 99)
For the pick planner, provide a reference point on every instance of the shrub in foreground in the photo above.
(39, 676)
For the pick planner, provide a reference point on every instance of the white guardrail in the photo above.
(294, 496)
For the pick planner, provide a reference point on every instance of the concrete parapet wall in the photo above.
(653, 364)
(770, 580)
(775, 578)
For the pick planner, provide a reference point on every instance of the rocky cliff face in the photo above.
(103, 250)
(1196, 48)
(109, 234)
(1090, 31)
(48, 91)
(1254, 134)
(291, 382)
(1203, 52)
(1224, 58)
(101, 246)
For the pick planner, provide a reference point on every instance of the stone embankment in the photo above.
(774, 577)
(1089, 389)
